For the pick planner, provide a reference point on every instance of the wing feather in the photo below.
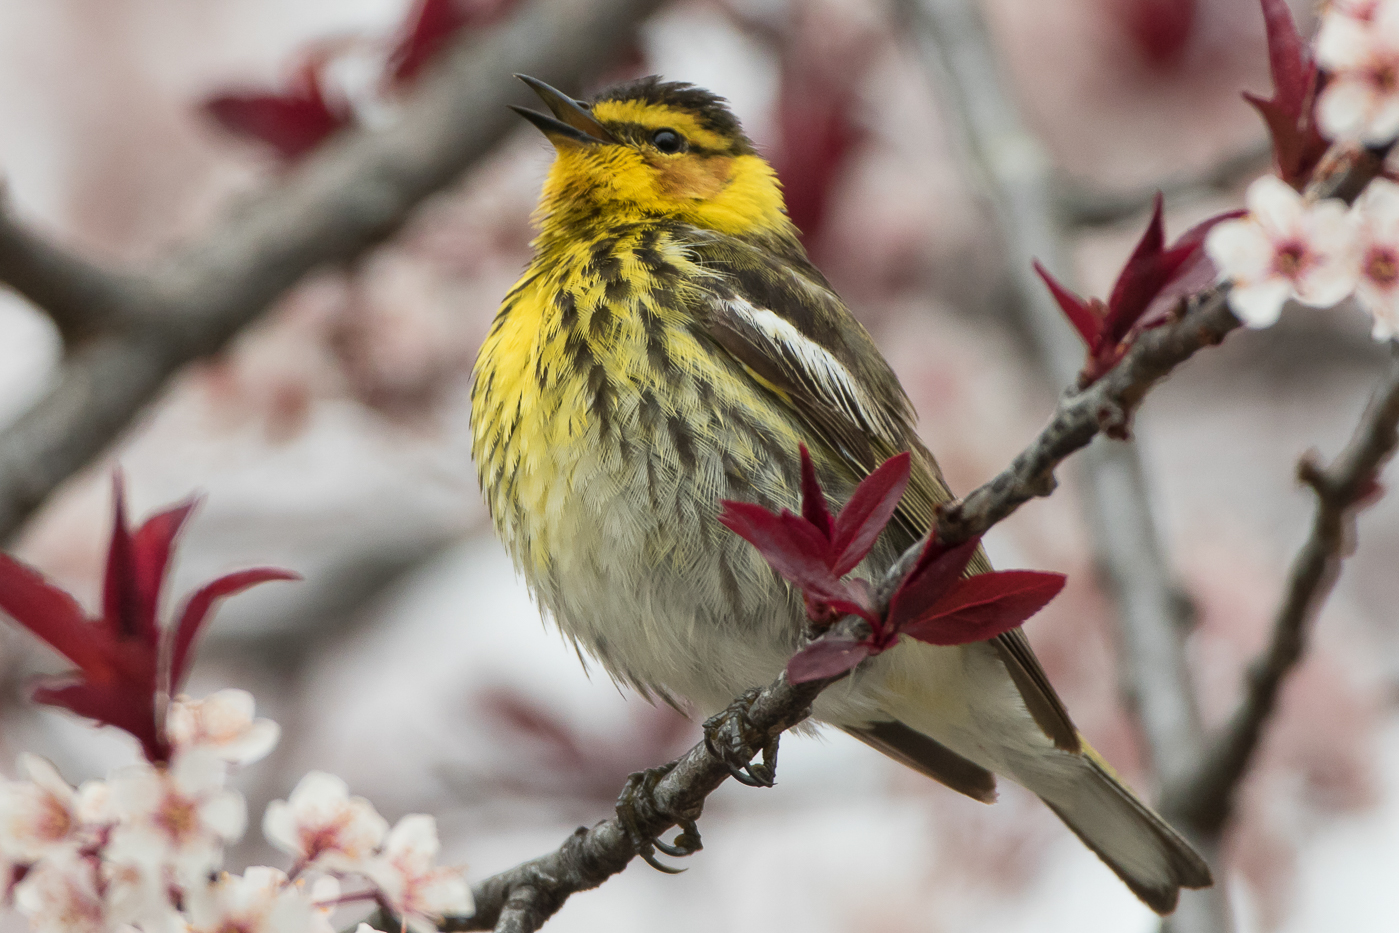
(795, 336)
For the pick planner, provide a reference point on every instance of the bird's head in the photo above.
(649, 149)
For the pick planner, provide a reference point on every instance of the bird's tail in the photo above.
(1143, 850)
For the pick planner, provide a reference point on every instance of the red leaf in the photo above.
(985, 605)
(150, 557)
(816, 133)
(827, 657)
(871, 506)
(1079, 312)
(1141, 278)
(789, 544)
(293, 123)
(1288, 61)
(936, 573)
(814, 507)
(1193, 273)
(119, 599)
(51, 614)
(198, 606)
(1159, 28)
(113, 704)
(1297, 145)
(432, 25)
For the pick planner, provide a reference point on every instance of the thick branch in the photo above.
(348, 196)
(1204, 797)
(81, 298)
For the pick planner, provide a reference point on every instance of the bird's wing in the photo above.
(796, 337)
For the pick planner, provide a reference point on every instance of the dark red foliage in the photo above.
(816, 132)
(1150, 272)
(120, 680)
(292, 122)
(812, 551)
(1160, 29)
(934, 604)
(1291, 112)
(431, 25)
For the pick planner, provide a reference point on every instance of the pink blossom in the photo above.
(39, 815)
(1358, 46)
(60, 895)
(177, 816)
(413, 887)
(321, 823)
(1376, 215)
(223, 723)
(261, 900)
(1283, 248)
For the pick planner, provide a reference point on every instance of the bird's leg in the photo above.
(731, 737)
(636, 807)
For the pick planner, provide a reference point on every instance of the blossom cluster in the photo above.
(1316, 253)
(1320, 252)
(143, 850)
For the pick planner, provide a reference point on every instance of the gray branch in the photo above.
(1203, 799)
(351, 194)
(1018, 175)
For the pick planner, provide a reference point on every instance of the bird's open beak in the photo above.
(574, 123)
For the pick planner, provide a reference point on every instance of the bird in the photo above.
(671, 345)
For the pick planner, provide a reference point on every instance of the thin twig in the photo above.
(1204, 797)
(341, 201)
(1079, 206)
(1018, 176)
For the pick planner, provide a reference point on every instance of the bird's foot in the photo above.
(636, 808)
(731, 737)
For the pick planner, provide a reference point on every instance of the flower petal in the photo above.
(1260, 305)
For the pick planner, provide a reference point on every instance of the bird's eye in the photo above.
(668, 141)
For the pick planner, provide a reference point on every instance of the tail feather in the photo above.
(1139, 846)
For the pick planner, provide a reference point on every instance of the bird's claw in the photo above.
(731, 737)
(636, 807)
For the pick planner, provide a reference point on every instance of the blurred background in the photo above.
(331, 437)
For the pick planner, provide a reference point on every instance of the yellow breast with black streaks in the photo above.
(597, 400)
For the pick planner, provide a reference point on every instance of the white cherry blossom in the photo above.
(222, 722)
(39, 815)
(177, 816)
(1284, 248)
(1358, 45)
(261, 900)
(1376, 215)
(60, 895)
(412, 885)
(321, 823)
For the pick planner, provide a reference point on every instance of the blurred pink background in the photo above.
(333, 439)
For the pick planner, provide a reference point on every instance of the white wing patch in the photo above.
(816, 366)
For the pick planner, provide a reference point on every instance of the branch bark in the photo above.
(348, 196)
